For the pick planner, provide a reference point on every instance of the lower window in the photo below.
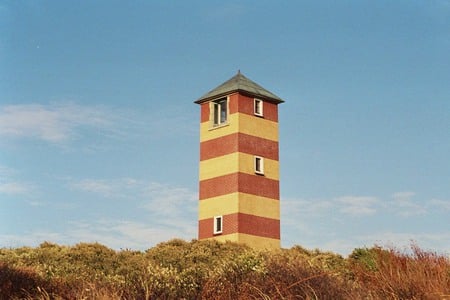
(259, 165)
(218, 224)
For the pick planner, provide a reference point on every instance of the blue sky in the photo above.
(99, 133)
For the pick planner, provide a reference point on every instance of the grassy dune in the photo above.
(209, 270)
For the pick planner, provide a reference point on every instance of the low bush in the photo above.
(179, 269)
(394, 274)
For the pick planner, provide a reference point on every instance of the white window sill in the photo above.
(219, 126)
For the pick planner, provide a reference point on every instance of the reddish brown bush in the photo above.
(20, 282)
(288, 274)
(212, 270)
(394, 274)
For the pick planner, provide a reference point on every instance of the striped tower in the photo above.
(239, 171)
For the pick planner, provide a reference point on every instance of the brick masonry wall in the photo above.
(249, 134)
(241, 223)
(239, 142)
(239, 182)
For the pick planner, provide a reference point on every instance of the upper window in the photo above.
(259, 165)
(220, 111)
(218, 224)
(258, 107)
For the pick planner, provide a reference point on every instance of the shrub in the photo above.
(211, 270)
(395, 274)
(20, 282)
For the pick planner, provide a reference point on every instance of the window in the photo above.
(220, 111)
(258, 107)
(218, 222)
(259, 165)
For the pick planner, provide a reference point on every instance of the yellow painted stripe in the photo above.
(208, 133)
(239, 202)
(259, 206)
(236, 162)
(243, 123)
(219, 166)
(259, 127)
(247, 165)
(251, 240)
(259, 242)
(221, 205)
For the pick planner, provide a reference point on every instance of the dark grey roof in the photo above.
(242, 84)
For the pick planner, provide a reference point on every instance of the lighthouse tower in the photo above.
(239, 193)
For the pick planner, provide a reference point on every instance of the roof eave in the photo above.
(244, 92)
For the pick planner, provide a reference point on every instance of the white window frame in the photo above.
(259, 170)
(217, 230)
(217, 106)
(259, 102)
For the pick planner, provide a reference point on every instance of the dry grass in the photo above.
(396, 274)
(210, 270)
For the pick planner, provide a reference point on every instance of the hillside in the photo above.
(210, 270)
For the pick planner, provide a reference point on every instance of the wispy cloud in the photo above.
(169, 212)
(125, 234)
(60, 123)
(357, 205)
(168, 200)
(307, 206)
(442, 205)
(311, 218)
(403, 204)
(349, 205)
(105, 188)
(168, 206)
(112, 233)
(437, 241)
(15, 188)
(9, 185)
(6, 171)
(156, 193)
(52, 123)
(313, 222)
(30, 238)
(226, 12)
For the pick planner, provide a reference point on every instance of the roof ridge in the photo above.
(239, 83)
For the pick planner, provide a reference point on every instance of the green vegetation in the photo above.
(210, 270)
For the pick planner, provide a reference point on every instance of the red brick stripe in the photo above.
(239, 182)
(204, 112)
(259, 185)
(258, 146)
(241, 223)
(246, 106)
(217, 186)
(220, 146)
(259, 226)
(239, 142)
(243, 104)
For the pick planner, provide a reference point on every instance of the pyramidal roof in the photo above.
(242, 84)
